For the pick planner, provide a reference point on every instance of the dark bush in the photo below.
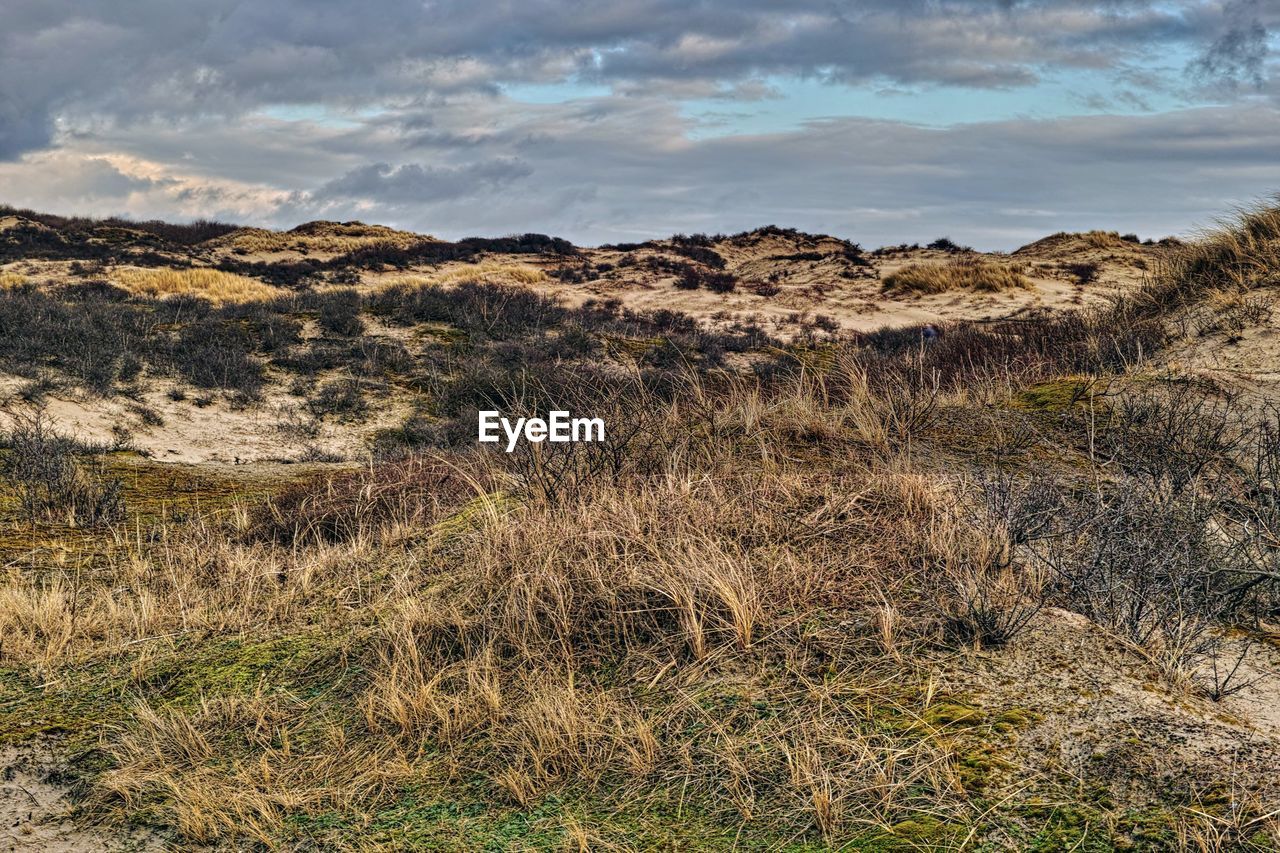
(341, 397)
(340, 313)
(692, 278)
(1085, 272)
(946, 244)
(217, 354)
(87, 338)
(689, 279)
(722, 282)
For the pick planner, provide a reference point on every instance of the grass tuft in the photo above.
(961, 274)
(214, 285)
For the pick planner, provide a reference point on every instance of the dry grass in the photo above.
(961, 274)
(1242, 255)
(738, 626)
(487, 272)
(11, 279)
(1103, 239)
(543, 646)
(215, 285)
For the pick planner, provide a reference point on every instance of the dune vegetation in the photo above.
(489, 272)
(214, 285)
(331, 238)
(800, 599)
(964, 273)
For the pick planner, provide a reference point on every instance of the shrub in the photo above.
(1145, 564)
(87, 338)
(700, 253)
(340, 313)
(721, 282)
(50, 482)
(689, 279)
(1085, 272)
(946, 244)
(213, 354)
(341, 397)
(692, 278)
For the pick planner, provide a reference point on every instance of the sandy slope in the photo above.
(1094, 701)
(851, 294)
(35, 810)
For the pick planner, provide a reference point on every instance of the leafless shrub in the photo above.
(1142, 562)
(1174, 434)
(996, 588)
(1223, 674)
(51, 482)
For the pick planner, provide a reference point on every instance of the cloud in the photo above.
(612, 171)
(281, 110)
(1237, 57)
(72, 62)
(61, 178)
(413, 183)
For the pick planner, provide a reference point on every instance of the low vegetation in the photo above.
(328, 238)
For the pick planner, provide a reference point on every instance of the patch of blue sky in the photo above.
(801, 101)
(554, 93)
(318, 114)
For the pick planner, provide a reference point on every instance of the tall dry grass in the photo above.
(619, 638)
(488, 272)
(966, 273)
(737, 617)
(1242, 254)
(215, 285)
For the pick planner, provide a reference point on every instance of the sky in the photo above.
(993, 122)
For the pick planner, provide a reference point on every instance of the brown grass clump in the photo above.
(534, 644)
(961, 274)
(487, 272)
(1242, 255)
(215, 285)
(11, 279)
(1102, 239)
